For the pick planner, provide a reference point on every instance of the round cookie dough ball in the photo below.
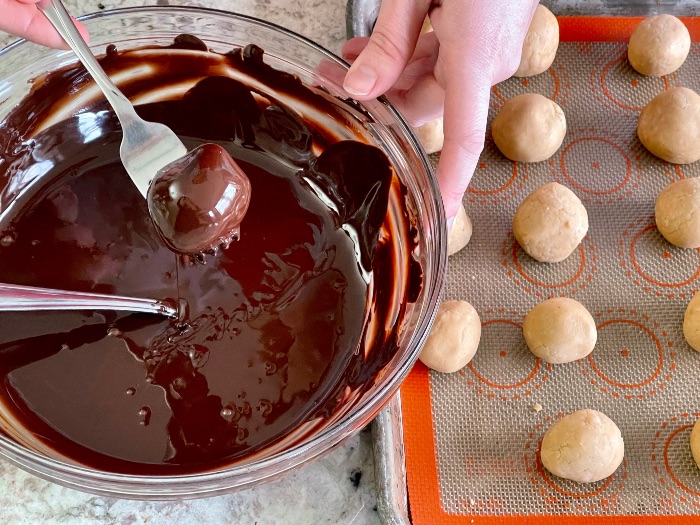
(677, 213)
(540, 45)
(691, 323)
(560, 330)
(659, 45)
(454, 337)
(669, 126)
(585, 446)
(550, 223)
(431, 135)
(460, 233)
(695, 442)
(529, 128)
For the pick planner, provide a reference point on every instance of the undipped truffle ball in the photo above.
(431, 135)
(691, 323)
(540, 44)
(677, 213)
(659, 45)
(585, 446)
(529, 128)
(550, 223)
(454, 337)
(669, 126)
(695, 442)
(560, 330)
(460, 233)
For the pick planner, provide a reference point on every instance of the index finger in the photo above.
(467, 81)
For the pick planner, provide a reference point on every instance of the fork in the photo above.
(146, 147)
(18, 298)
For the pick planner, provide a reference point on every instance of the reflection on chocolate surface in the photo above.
(280, 333)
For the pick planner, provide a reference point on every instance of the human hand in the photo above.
(23, 19)
(475, 44)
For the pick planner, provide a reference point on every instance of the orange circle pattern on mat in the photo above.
(610, 164)
(564, 495)
(510, 177)
(672, 461)
(674, 172)
(554, 84)
(486, 373)
(647, 339)
(544, 280)
(646, 258)
(617, 101)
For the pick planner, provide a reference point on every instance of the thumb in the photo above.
(389, 48)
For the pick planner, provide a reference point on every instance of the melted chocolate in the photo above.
(198, 202)
(279, 332)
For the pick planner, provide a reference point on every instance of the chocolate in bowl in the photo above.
(292, 331)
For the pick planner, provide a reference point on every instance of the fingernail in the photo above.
(450, 222)
(360, 80)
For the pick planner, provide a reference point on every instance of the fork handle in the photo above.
(18, 298)
(58, 16)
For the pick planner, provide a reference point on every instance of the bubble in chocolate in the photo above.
(7, 240)
(198, 201)
(145, 414)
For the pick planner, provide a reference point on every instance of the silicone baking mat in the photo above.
(472, 437)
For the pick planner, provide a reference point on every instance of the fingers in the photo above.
(420, 103)
(421, 63)
(389, 49)
(332, 73)
(353, 47)
(467, 80)
(416, 93)
(23, 19)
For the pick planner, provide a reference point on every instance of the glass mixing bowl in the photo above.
(381, 125)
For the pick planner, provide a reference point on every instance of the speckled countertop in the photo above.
(337, 489)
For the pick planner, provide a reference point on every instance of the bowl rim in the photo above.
(83, 477)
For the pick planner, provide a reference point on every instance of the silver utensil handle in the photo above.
(390, 464)
(56, 13)
(30, 298)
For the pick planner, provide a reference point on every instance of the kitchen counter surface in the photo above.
(337, 489)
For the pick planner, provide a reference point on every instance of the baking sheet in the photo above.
(472, 437)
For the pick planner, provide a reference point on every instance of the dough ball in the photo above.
(454, 337)
(585, 446)
(427, 26)
(460, 233)
(550, 223)
(669, 126)
(691, 323)
(695, 442)
(529, 128)
(659, 45)
(560, 330)
(540, 45)
(431, 135)
(677, 213)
